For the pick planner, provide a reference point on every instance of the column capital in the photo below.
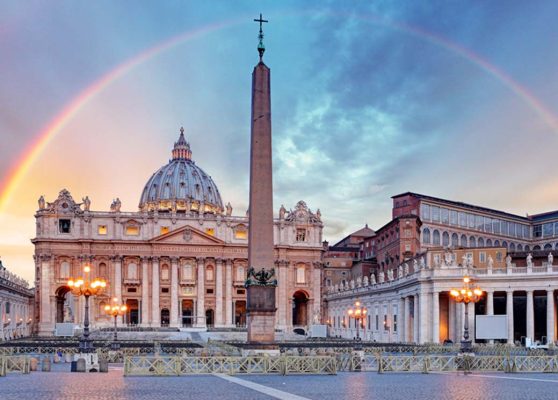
(154, 259)
(145, 259)
(550, 291)
(509, 291)
(174, 260)
(218, 260)
(45, 257)
(529, 291)
(116, 258)
(200, 260)
(228, 261)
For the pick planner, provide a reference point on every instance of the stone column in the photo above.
(509, 312)
(2, 319)
(407, 320)
(423, 317)
(155, 295)
(174, 293)
(283, 283)
(200, 312)
(490, 308)
(228, 293)
(46, 324)
(436, 317)
(317, 294)
(472, 321)
(530, 316)
(401, 320)
(452, 323)
(416, 318)
(219, 292)
(550, 313)
(144, 292)
(118, 282)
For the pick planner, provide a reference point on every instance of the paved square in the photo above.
(60, 384)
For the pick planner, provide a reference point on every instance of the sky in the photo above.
(369, 99)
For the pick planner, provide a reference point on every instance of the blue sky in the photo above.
(369, 99)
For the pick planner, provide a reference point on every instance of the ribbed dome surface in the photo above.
(181, 185)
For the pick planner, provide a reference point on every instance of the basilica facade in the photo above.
(179, 261)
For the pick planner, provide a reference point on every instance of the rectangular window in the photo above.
(377, 319)
(482, 257)
(301, 275)
(478, 222)
(132, 230)
(425, 212)
(445, 216)
(102, 229)
(301, 235)
(241, 291)
(369, 322)
(498, 256)
(164, 229)
(462, 219)
(487, 224)
(504, 227)
(165, 290)
(132, 290)
(548, 229)
(64, 225)
(7, 307)
(537, 231)
(526, 234)
(395, 322)
(209, 291)
(471, 220)
(407, 247)
(386, 325)
(435, 213)
(496, 225)
(240, 233)
(453, 217)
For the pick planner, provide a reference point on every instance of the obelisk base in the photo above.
(260, 314)
(261, 326)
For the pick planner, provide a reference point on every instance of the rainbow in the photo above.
(17, 173)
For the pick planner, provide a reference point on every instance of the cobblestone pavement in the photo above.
(60, 384)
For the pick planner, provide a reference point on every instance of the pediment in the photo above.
(187, 235)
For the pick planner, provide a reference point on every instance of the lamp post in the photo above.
(358, 313)
(115, 310)
(83, 286)
(466, 295)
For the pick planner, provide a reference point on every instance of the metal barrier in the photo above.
(175, 366)
(14, 364)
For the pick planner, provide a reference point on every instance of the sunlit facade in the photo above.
(180, 261)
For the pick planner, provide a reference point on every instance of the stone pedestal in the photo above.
(91, 361)
(260, 314)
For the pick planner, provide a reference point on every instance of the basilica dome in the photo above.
(181, 185)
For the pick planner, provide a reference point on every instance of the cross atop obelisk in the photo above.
(261, 47)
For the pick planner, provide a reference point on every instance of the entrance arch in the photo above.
(240, 313)
(64, 306)
(300, 308)
(165, 317)
(209, 317)
(132, 312)
(187, 312)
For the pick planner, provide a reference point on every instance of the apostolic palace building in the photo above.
(179, 261)
(404, 271)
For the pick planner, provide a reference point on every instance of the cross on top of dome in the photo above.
(181, 148)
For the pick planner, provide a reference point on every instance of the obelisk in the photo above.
(261, 298)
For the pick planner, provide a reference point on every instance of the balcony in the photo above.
(132, 282)
(188, 282)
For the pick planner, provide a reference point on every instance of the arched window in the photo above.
(472, 242)
(187, 272)
(132, 271)
(548, 246)
(300, 274)
(463, 241)
(537, 247)
(527, 248)
(505, 244)
(103, 270)
(481, 242)
(520, 247)
(496, 243)
(445, 239)
(512, 246)
(454, 240)
(240, 274)
(209, 276)
(165, 272)
(436, 237)
(64, 270)
(426, 236)
(488, 242)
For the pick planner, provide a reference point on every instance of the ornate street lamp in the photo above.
(115, 310)
(358, 313)
(85, 287)
(466, 295)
